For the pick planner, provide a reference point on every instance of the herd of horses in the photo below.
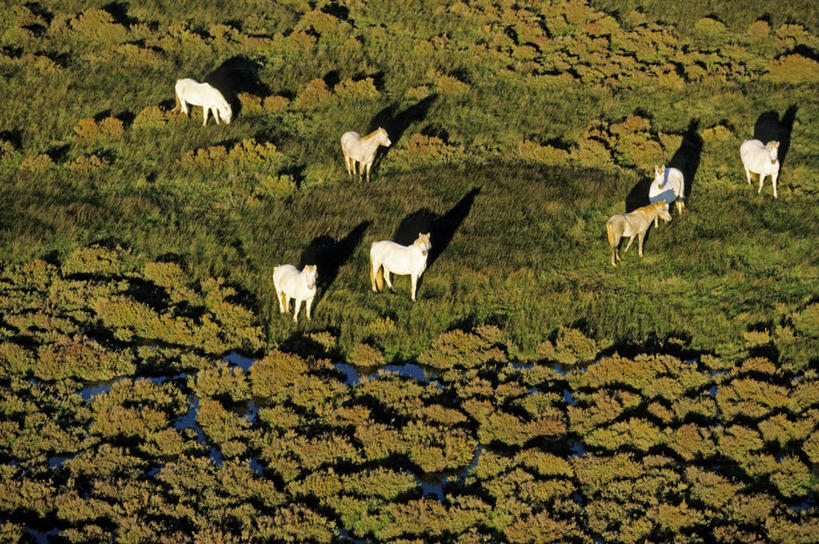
(388, 257)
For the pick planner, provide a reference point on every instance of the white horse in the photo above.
(189, 91)
(759, 158)
(290, 283)
(361, 151)
(668, 186)
(388, 257)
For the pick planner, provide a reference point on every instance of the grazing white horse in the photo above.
(290, 283)
(633, 224)
(388, 257)
(190, 91)
(759, 158)
(361, 151)
(669, 186)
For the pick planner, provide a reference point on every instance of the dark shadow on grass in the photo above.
(303, 345)
(237, 75)
(396, 123)
(687, 157)
(769, 127)
(15, 137)
(441, 228)
(329, 254)
(119, 13)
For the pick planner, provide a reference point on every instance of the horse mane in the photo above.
(371, 134)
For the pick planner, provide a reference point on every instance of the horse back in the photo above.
(349, 140)
(755, 157)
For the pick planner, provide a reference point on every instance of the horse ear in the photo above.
(776, 145)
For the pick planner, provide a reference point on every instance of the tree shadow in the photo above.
(441, 228)
(686, 159)
(329, 254)
(237, 75)
(769, 127)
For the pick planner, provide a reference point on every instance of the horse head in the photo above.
(659, 175)
(423, 242)
(773, 150)
(663, 208)
(311, 271)
(383, 137)
(224, 111)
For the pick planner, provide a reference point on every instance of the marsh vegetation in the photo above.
(152, 392)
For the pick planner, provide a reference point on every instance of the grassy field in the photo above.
(553, 125)
(518, 128)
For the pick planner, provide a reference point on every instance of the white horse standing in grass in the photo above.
(633, 224)
(668, 186)
(361, 151)
(388, 257)
(290, 283)
(190, 91)
(759, 158)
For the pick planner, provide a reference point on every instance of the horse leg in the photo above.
(308, 304)
(628, 245)
(387, 276)
(205, 111)
(347, 166)
(640, 243)
(615, 255)
(761, 179)
(296, 313)
(748, 175)
(414, 278)
(369, 165)
(773, 180)
(215, 114)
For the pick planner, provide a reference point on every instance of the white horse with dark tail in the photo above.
(290, 283)
(360, 151)
(759, 158)
(190, 91)
(387, 257)
(668, 186)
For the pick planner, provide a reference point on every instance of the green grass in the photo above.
(530, 254)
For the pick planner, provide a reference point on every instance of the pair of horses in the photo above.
(386, 257)
(668, 186)
(359, 152)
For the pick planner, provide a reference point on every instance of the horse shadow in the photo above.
(329, 254)
(440, 228)
(686, 159)
(237, 75)
(769, 127)
(396, 123)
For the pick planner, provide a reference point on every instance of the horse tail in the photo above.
(377, 277)
(284, 298)
(610, 232)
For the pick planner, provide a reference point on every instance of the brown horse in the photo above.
(634, 224)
